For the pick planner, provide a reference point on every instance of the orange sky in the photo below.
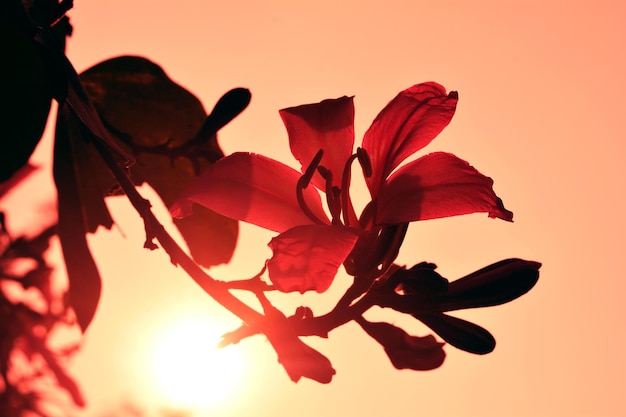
(541, 87)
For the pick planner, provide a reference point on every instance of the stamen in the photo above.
(389, 242)
(310, 171)
(345, 186)
(335, 208)
(365, 161)
(304, 182)
(332, 195)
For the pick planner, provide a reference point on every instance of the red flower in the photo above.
(310, 247)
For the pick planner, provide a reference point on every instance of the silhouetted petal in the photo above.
(298, 358)
(434, 186)
(406, 351)
(408, 123)
(329, 126)
(495, 284)
(308, 257)
(252, 188)
(459, 333)
(301, 360)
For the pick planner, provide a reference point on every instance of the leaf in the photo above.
(26, 97)
(74, 208)
(173, 139)
(405, 351)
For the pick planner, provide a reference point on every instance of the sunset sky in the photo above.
(541, 86)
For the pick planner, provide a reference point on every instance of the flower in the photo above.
(311, 246)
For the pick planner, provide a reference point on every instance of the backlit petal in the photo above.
(252, 188)
(434, 186)
(308, 257)
(408, 123)
(328, 125)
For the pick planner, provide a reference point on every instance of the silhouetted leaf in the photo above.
(167, 129)
(26, 97)
(76, 207)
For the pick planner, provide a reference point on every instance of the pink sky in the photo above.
(541, 87)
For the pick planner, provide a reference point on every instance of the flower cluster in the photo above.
(313, 241)
(311, 246)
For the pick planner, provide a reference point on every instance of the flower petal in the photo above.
(434, 186)
(408, 123)
(308, 257)
(298, 358)
(406, 351)
(252, 188)
(328, 125)
(301, 360)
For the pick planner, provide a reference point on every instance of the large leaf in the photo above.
(79, 210)
(26, 97)
(167, 129)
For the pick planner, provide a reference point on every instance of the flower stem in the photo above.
(154, 229)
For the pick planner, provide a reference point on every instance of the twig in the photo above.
(154, 229)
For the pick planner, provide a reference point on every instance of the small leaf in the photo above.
(406, 351)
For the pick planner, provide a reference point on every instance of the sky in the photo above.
(540, 100)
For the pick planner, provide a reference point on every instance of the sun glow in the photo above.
(190, 371)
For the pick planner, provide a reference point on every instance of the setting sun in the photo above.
(188, 368)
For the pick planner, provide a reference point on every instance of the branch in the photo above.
(218, 290)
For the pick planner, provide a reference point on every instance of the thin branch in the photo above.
(218, 290)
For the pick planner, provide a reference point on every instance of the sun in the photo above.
(190, 371)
